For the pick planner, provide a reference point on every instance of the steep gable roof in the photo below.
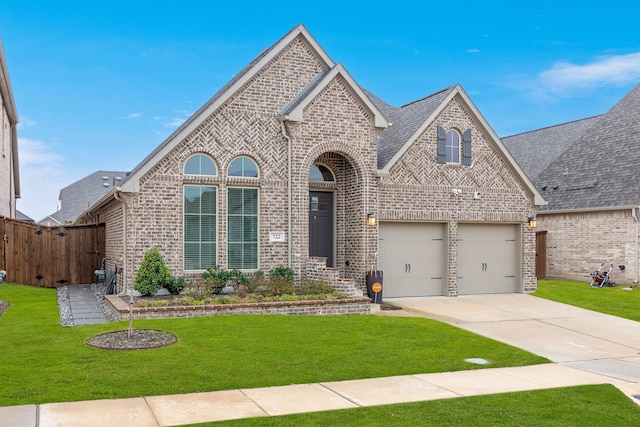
(227, 91)
(295, 109)
(600, 169)
(410, 120)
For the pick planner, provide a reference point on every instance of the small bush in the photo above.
(160, 303)
(176, 285)
(242, 291)
(236, 279)
(215, 279)
(185, 300)
(279, 285)
(153, 273)
(281, 272)
(314, 287)
(256, 281)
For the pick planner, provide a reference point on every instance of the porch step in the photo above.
(317, 269)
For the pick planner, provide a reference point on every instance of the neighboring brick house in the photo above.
(588, 172)
(76, 198)
(9, 171)
(292, 160)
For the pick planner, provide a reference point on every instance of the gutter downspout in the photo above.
(283, 130)
(124, 258)
(634, 215)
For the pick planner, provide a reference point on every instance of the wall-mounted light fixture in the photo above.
(371, 219)
(532, 222)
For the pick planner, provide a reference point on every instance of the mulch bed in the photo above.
(141, 339)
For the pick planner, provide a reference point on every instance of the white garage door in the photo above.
(488, 259)
(412, 259)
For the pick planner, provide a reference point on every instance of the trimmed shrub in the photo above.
(153, 273)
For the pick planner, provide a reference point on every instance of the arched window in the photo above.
(244, 167)
(453, 147)
(320, 173)
(200, 164)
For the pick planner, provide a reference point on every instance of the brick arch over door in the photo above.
(351, 203)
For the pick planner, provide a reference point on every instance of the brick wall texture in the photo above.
(582, 247)
(336, 131)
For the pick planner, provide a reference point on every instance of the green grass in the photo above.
(597, 405)
(615, 301)
(44, 362)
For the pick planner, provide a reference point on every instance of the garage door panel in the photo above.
(412, 258)
(488, 258)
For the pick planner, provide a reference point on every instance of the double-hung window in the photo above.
(242, 218)
(199, 216)
(453, 147)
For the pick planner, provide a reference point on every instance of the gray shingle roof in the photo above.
(406, 121)
(23, 217)
(535, 150)
(77, 197)
(596, 162)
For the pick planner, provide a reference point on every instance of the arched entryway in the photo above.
(337, 213)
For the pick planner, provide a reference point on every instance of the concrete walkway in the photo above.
(85, 308)
(588, 348)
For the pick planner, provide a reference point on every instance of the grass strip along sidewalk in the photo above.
(583, 406)
(44, 362)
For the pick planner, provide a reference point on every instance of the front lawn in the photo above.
(44, 362)
(615, 301)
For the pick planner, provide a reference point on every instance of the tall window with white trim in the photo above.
(200, 203)
(242, 217)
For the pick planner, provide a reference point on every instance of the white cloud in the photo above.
(565, 79)
(473, 50)
(174, 122)
(180, 116)
(131, 116)
(42, 176)
(26, 123)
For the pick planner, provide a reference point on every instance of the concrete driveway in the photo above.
(564, 334)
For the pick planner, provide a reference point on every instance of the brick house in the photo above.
(587, 170)
(9, 170)
(76, 197)
(292, 162)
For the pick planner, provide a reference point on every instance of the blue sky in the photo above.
(99, 84)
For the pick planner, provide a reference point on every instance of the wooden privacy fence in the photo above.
(50, 256)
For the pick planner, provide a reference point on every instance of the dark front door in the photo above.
(321, 225)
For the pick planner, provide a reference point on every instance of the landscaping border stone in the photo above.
(348, 306)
